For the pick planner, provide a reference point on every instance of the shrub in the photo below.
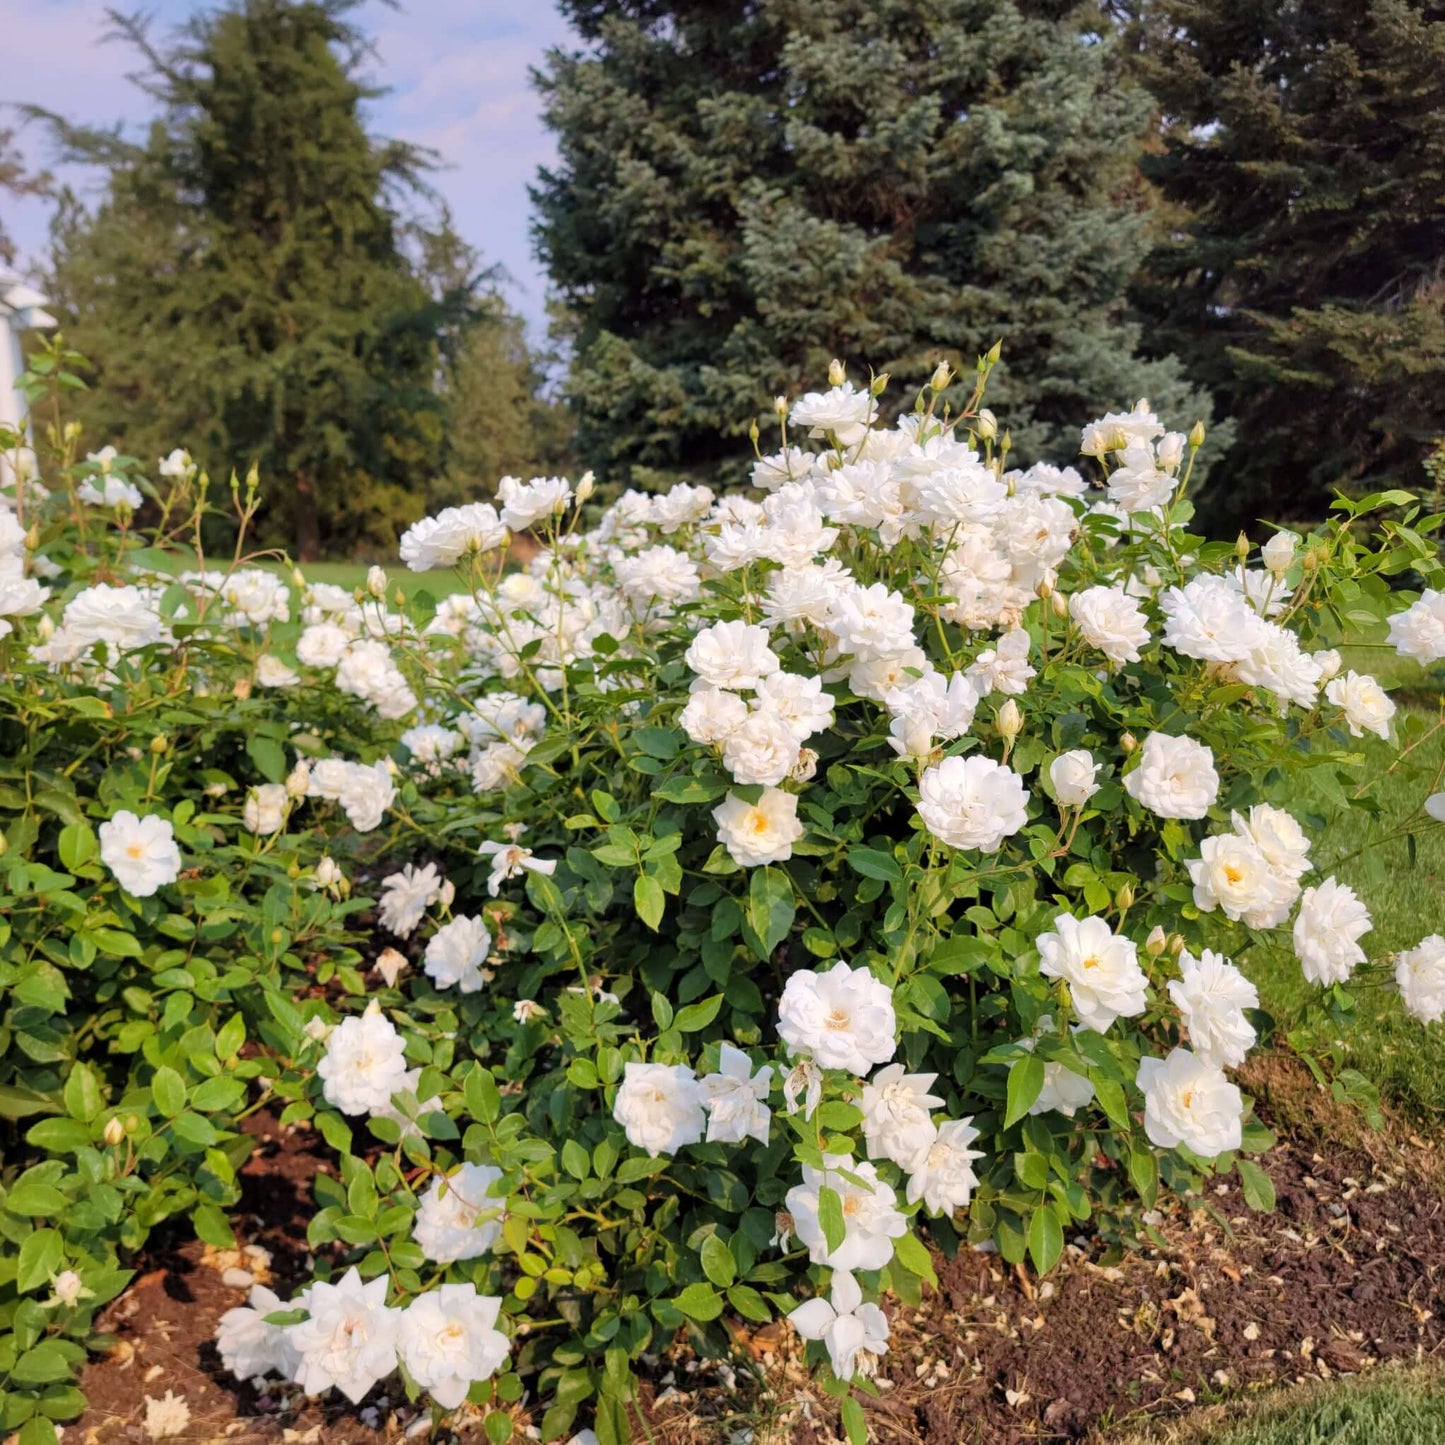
(769, 886)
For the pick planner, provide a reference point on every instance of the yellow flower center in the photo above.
(135, 850)
(837, 1021)
(1092, 961)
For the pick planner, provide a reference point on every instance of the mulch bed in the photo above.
(1345, 1275)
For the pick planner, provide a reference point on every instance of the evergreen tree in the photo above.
(1307, 287)
(246, 287)
(746, 190)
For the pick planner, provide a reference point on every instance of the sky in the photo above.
(458, 72)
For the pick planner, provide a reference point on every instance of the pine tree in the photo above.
(746, 190)
(1306, 289)
(245, 287)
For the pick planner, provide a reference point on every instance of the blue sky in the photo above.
(458, 76)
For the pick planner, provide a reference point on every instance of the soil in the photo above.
(1345, 1275)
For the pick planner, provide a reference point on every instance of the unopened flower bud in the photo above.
(69, 1287)
(389, 964)
(1196, 435)
(1242, 546)
(293, 869)
(994, 352)
(159, 744)
(942, 376)
(986, 425)
(1278, 553)
(242, 688)
(298, 578)
(398, 597)
(586, 487)
(879, 384)
(1314, 559)
(1010, 720)
(376, 582)
(1060, 605)
(1124, 898)
(298, 780)
(1045, 589)
(754, 432)
(132, 1124)
(32, 539)
(1329, 663)
(45, 628)
(328, 872)
(806, 768)
(836, 374)
(780, 405)
(1157, 942)
(1128, 742)
(114, 1133)
(446, 893)
(1176, 944)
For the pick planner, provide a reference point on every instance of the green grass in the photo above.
(350, 575)
(1393, 1408)
(1406, 899)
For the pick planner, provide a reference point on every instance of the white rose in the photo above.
(1327, 930)
(1419, 631)
(1111, 621)
(736, 1099)
(871, 1218)
(1420, 976)
(349, 1339)
(1175, 777)
(1188, 1101)
(762, 749)
(141, 852)
(896, 1124)
(456, 954)
(459, 1217)
(1366, 705)
(1100, 967)
(972, 802)
(843, 1018)
(944, 1178)
(449, 1340)
(846, 1325)
(1074, 775)
(1211, 995)
(733, 656)
(761, 832)
(1232, 874)
(264, 812)
(659, 1107)
(364, 1063)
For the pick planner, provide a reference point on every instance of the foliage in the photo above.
(745, 191)
(245, 286)
(16, 180)
(1302, 286)
(594, 917)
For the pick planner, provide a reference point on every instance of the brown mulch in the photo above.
(1347, 1274)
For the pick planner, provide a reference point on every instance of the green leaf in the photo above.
(1046, 1239)
(46, 1362)
(83, 1099)
(1025, 1083)
(698, 1015)
(1144, 1173)
(873, 864)
(168, 1090)
(855, 1425)
(37, 1431)
(77, 845)
(269, 757)
(498, 1427)
(34, 1196)
(41, 1256)
(575, 1159)
(830, 1217)
(1257, 1186)
(749, 1303)
(212, 1227)
(717, 1262)
(59, 1136)
(770, 910)
(116, 943)
(700, 1302)
(649, 900)
(213, 1095)
(912, 1254)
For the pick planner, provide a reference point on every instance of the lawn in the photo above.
(1395, 1408)
(1405, 893)
(350, 575)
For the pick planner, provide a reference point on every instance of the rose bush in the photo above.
(763, 886)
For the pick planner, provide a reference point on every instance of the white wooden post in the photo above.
(21, 309)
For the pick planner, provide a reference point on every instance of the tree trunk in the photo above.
(305, 523)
